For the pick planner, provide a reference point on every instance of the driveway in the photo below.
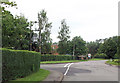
(85, 71)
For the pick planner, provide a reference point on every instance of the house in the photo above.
(54, 47)
(82, 57)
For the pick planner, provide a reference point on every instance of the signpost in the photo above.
(89, 56)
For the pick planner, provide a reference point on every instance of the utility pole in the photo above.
(73, 51)
(40, 26)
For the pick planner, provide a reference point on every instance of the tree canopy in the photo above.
(109, 47)
(15, 31)
(63, 37)
(45, 31)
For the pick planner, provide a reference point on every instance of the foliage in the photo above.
(8, 4)
(15, 33)
(79, 45)
(45, 31)
(114, 62)
(116, 56)
(3, 5)
(19, 63)
(55, 57)
(102, 55)
(63, 37)
(109, 47)
(93, 47)
(69, 49)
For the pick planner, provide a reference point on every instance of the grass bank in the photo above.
(33, 78)
(115, 62)
(69, 61)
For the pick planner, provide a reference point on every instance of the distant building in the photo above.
(35, 38)
(54, 47)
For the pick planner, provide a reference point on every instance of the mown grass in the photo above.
(33, 78)
(115, 62)
(69, 61)
(95, 59)
(54, 62)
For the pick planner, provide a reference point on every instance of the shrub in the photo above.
(102, 55)
(56, 57)
(116, 56)
(19, 63)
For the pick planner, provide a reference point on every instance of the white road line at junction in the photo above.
(68, 69)
(66, 65)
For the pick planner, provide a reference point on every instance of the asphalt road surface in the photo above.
(85, 71)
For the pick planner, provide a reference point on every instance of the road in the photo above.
(85, 71)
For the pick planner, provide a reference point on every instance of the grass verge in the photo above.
(33, 78)
(69, 61)
(54, 62)
(115, 62)
(95, 59)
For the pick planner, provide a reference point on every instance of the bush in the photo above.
(102, 55)
(116, 56)
(56, 57)
(19, 63)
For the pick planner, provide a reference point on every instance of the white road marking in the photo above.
(68, 69)
(66, 65)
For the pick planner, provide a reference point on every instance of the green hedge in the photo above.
(101, 55)
(56, 57)
(19, 63)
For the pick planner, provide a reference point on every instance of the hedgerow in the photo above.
(19, 63)
(56, 57)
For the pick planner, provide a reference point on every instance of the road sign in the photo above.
(89, 55)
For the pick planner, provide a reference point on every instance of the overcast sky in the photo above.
(90, 19)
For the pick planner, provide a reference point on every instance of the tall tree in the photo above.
(79, 46)
(63, 37)
(93, 47)
(45, 30)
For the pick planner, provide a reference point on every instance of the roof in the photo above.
(81, 56)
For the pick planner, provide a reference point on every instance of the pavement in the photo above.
(54, 77)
